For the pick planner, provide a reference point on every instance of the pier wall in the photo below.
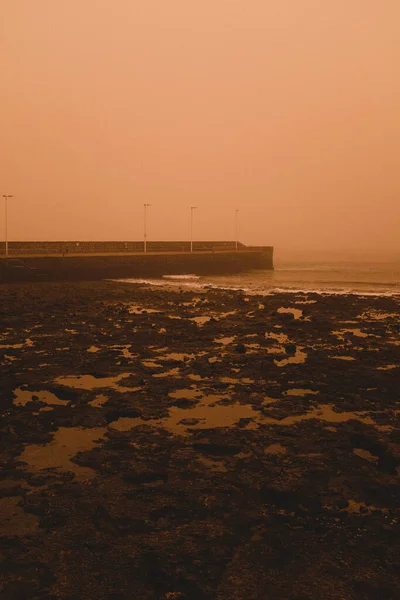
(92, 267)
(99, 260)
(79, 247)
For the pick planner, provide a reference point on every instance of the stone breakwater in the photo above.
(92, 267)
(85, 247)
(173, 444)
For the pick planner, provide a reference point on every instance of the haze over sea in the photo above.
(323, 277)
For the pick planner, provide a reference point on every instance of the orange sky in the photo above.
(288, 110)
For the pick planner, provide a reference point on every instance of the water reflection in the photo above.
(99, 401)
(200, 321)
(139, 310)
(300, 392)
(57, 454)
(297, 359)
(89, 382)
(296, 312)
(22, 397)
(188, 393)
(225, 341)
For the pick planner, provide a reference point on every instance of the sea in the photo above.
(375, 279)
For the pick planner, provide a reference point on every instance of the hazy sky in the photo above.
(288, 110)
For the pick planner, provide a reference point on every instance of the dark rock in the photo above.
(114, 415)
(217, 449)
(189, 421)
(290, 348)
(145, 476)
(241, 349)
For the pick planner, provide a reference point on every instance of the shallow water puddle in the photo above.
(230, 313)
(298, 358)
(355, 507)
(253, 346)
(225, 341)
(296, 312)
(11, 358)
(213, 465)
(282, 338)
(365, 455)
(237, 381)
(195, 377)
(171, 373)
(22, 397)
(343, 357)
(388, 368)
(138, 310)
(66, 444)
(178, 356)
(300, 392)
(207, 415)
(93, 349)
(127, 423)
(355, 331)
(150, 364)
(188, 393)
(88, 382)
(325, 412)
(99, 401)
(200, 321)
(27, 344)
(268, 400)
(214, 359)
(124, 349)
(276, 350)
(377, 315)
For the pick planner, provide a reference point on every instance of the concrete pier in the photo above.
(92, 266)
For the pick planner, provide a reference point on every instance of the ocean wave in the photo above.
(181, 277)
(259, 291)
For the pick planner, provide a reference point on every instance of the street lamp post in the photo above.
(192, 208)
(237, 229)
(145, 226)
(6, 197)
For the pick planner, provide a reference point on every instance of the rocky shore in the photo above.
(204, 445)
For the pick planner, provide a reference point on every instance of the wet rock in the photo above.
(189, 421)
(241, 349)
(217, 449)
(388, 464)
(64, 393)
(184, 403)
(138, 477)
(290, 348)
(114, 415)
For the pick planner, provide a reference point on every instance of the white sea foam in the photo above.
(181, 277)
(333, 279)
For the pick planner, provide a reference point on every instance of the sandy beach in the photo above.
(198, 444)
